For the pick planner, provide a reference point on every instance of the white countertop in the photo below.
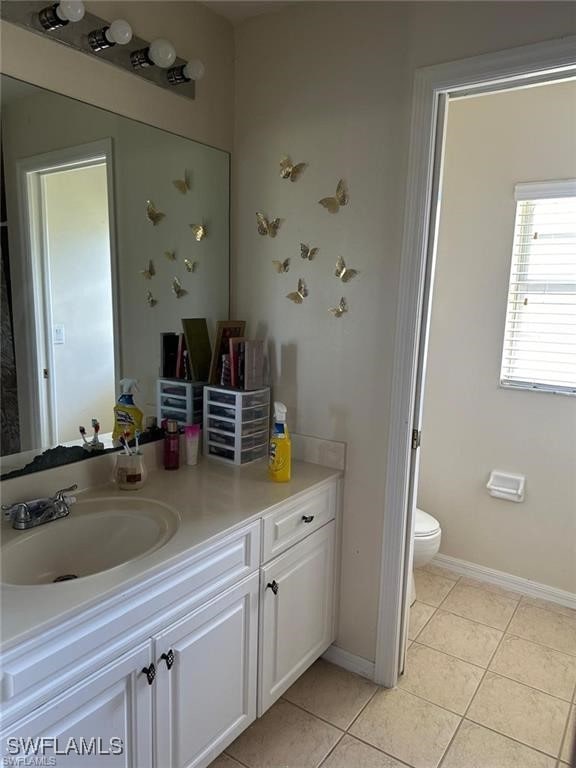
(211, 499)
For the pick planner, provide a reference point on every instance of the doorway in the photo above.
(66, 204)
(433, 86)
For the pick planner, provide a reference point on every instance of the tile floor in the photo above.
(490, 683)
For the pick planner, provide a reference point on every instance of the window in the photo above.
(540, 335)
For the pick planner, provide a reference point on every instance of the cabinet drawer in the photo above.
(39, 669)
(293, 522)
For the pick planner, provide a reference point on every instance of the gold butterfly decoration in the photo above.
(152, 214)
(150, 299)
(343, 272)
(150, 272)
(199, 231)
(340, 309)
(191, 266)
(306, 252)
(298, 296)
(177, 288)
(266, 227)
(170, 255)
(289, 170)
(333, 204)
(183, 185)
(281, 266)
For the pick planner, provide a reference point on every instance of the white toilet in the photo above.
(427, 535)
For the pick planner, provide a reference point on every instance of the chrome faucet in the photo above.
(29, 514)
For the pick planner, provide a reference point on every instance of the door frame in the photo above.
(33, 338)
(502, 70)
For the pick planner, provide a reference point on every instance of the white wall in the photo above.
(195, 31)
(330, 83)
(78, 258)
(471, 425)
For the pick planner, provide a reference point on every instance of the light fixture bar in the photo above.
(25, 13)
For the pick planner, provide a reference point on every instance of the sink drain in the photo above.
(65, 577)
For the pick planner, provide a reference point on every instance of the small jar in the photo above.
(171, 445)
(192, 441)
(130, 473)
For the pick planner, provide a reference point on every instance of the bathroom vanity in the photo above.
(177, 651)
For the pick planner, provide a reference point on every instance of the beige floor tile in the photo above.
(406, 727)
(524, 714)
(351, 753)
(545, 627)
(569, 738)
(420, 613)
(285, 736)
(439, 678)
(460, 637)
(438, 570)
(430, 588)
(480, 605)
(477, 747)
(547, 605)
(331, 693)
(535, 665)
(223, 761)
(469, 582)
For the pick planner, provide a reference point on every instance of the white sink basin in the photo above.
(97, 535)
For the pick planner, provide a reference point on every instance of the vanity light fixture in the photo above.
(160, 52)
(60, 14)
(193, 70)
(118, 33)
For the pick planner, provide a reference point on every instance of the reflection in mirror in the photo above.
(98, 225)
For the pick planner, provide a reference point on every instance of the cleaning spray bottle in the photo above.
(280, 459)
(127, 416)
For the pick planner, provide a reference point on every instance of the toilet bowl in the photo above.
(427, 536)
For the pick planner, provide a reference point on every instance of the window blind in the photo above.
(539, 349)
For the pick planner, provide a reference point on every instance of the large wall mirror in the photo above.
(88, 267)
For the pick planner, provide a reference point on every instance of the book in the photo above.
(253, 364)
(169, 354)
(235, 374)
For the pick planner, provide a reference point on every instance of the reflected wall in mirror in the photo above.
(88, 269)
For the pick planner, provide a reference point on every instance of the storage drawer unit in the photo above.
(236, 424)
(179, 400)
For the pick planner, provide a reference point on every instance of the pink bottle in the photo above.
(171, 445)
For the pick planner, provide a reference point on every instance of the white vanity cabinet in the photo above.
(206, 678)
(297, 591)
(108, 716)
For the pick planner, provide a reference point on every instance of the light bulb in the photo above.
(70, 10)
(194, 70)
(162, 53)
(119, 32)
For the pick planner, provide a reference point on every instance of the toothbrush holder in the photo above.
(130, 473)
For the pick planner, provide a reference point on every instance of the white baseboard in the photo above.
(349, 661)
(507, 580)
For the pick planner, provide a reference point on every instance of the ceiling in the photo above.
(238, 11)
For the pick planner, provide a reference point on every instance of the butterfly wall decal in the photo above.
(290, 170)
(150, 299)
(266, 227)
(191, 266)
(340, 309)
(281, 266)
(343, 272)
(183, 185)
(177, 288)
(306, 252)
(150, 272)
(333, 204)
(153, 215)
(299, 295)
(199, 231)
(170, 255)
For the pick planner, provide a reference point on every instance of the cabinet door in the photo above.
(296, 612)
(105, 720)
(208, 696)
